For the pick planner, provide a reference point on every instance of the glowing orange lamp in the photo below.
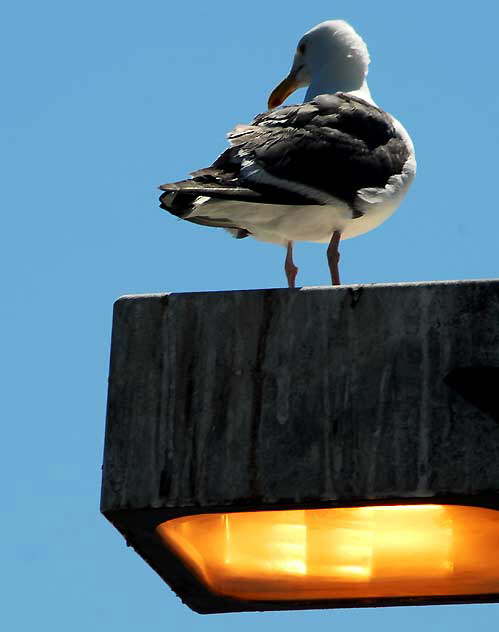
(339, 554)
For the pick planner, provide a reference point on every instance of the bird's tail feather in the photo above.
(180, 198)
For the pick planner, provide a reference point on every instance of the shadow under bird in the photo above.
(331, 168)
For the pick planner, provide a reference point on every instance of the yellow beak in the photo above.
(283, 90)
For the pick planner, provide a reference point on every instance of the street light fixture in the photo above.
(331, 447)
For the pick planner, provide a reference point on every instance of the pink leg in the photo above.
(289, 267)
(333, 257)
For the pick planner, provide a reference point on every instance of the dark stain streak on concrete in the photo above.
(258, 381)
(355, 296)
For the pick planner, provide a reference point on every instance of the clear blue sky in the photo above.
(102, 101)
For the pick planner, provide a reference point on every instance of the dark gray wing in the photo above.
(337, 144)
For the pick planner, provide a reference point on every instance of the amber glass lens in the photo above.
(388, 551)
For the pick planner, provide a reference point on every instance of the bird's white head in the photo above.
(331, 57)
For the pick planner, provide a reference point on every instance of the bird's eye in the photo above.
(302, 48)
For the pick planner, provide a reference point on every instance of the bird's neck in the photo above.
(328, 83)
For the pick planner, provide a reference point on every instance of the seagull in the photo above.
(334, 167)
